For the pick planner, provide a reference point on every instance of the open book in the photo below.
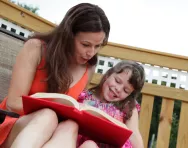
(92, 121)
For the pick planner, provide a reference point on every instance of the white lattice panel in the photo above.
(104, 63)
(166, 76)
(14, 28)
(154, 74)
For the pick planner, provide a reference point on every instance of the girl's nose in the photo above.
(119, 88)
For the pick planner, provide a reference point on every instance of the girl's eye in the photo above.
(117, 80)
(125, 91)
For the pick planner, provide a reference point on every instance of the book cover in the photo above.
(92, 122)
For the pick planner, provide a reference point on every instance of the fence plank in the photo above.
(182, 141)
(145, 117)
(141, 55)
(167, 92)
(23, 17)
(165, 123)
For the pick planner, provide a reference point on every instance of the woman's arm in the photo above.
(23, 74)
(132, 124)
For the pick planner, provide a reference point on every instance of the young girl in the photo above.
(116, 95)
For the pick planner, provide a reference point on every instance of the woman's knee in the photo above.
(89, 144)
(66, 133)
(69, 126)
(46, 117)
(41, 117)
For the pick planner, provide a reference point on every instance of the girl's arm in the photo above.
(132, 124)
(23, 74)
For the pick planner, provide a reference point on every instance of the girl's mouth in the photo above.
(113, 94)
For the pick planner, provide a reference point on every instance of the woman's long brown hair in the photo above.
(59, 43)
(137, 80)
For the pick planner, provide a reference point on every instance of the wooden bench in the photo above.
(9, 48)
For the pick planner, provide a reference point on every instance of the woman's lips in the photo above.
(86, 59)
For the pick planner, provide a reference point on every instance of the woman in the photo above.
(60, 61)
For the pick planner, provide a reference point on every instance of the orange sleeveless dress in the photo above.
(39, 85)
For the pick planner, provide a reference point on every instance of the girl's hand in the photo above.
(133, 124)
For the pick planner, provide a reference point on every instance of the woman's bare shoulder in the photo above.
(91, 71)
(32, 49)
(33, 43)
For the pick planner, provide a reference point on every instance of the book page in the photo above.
(58, 98)
(99, 113)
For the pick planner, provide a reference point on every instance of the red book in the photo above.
(92, 121)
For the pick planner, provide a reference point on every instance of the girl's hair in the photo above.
(59, 43)
(137, 80)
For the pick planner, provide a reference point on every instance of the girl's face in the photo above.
(87, 44)
(117, 86)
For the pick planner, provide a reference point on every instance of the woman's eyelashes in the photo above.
(88, 45)
(97, 46)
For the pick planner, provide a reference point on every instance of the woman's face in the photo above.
(87, 44)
